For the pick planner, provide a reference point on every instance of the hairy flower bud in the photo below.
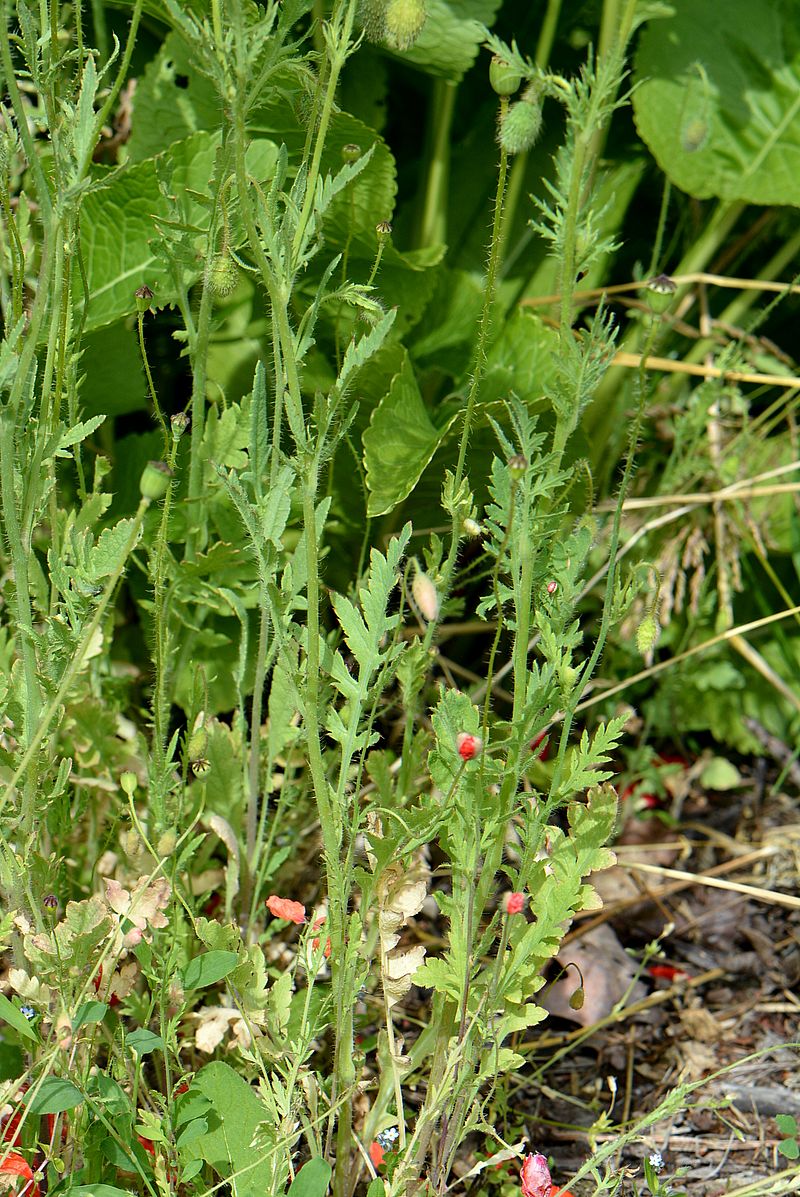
(404, 22)
(521, 126)
(223, 275)
(426, 596)
(647, 634)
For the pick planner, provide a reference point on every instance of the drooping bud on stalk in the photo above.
(223, 275)
(522, 124)
(647, 634)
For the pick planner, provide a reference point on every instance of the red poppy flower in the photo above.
(16, 1165)
(285, 908)
(376, 1154)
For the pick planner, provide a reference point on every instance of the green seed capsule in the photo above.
(351, 152)
(517, 465)
(660, 293)
(504, 78)
(155, 479)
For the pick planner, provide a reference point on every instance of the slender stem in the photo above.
(34, 161)
(151, 385)
(433, 219)
(343, 28)
(196, 535)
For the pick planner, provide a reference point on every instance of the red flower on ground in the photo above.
(15, 1165)
(557, 1191)
(376, 1154)
(285, 908)
(535, 1176)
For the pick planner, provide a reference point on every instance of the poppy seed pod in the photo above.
(426, 596)
(154, 481)
(521, 125)
(503, 76)
(660, 293)
(404, 21)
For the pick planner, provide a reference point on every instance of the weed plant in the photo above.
(235, 765)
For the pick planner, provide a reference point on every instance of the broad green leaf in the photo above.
(312, 1180)
(119, 235)
(208, 969)
(99, 1190)
(227, 1146)
(399, 443)
(173, 100)
(89, 1012)
(720, 774)
(451, 36)
(53, 1096)
(16, 1019)
(143, 1041)
(718, 99)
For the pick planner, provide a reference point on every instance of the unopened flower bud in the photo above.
(520, 127)
(468, 746)
(472, 528)
(552, 586)
(403, 23)
(179, 423)
(143, 297)
(515, 903)
(647, 634)
(577, 998)
(503, 76)
(155, 479)
(426, 596)
(128, 781)
(517, 465)
(223, 275)
(166, 843)
(660, 293)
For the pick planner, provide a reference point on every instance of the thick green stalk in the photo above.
(433, 218)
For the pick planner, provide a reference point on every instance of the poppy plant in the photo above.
(15, 1165)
